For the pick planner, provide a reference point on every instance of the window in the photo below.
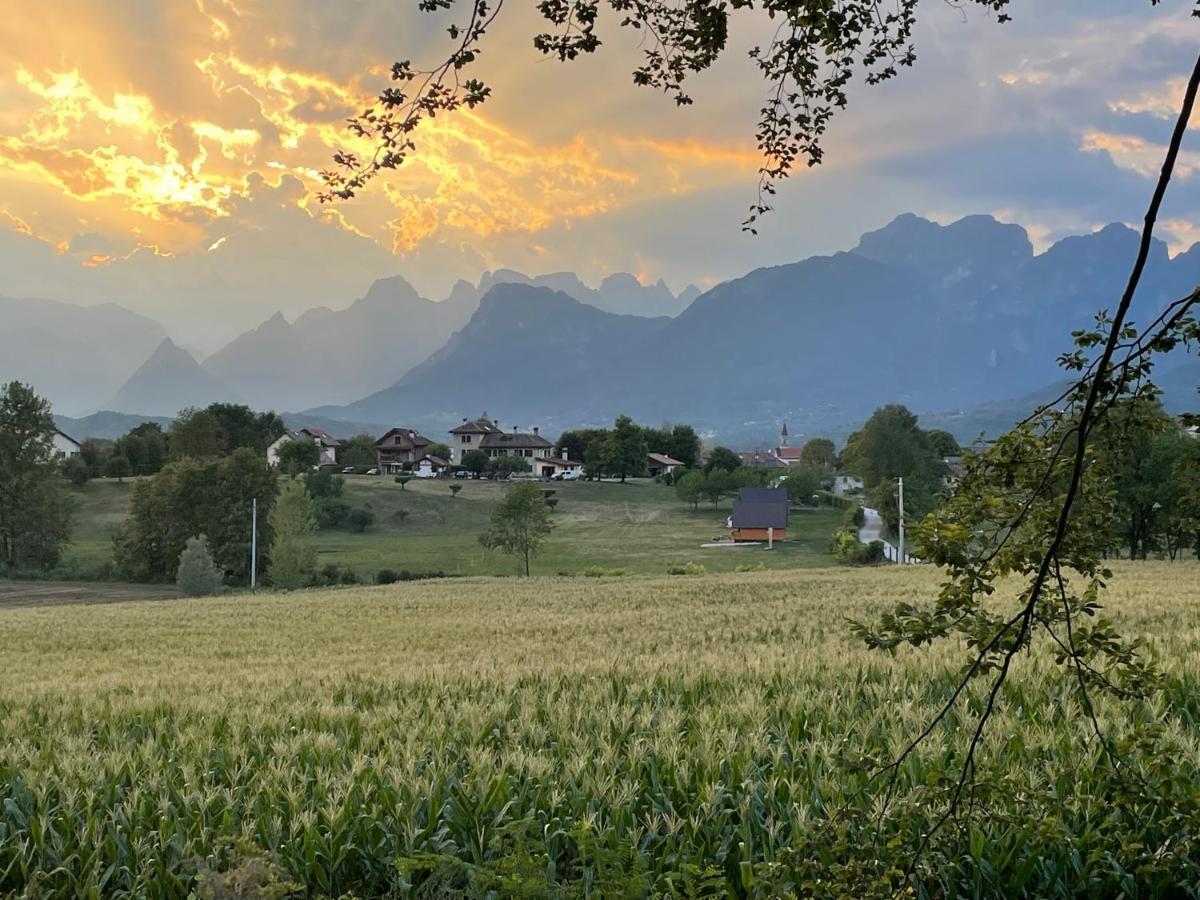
(466, 438)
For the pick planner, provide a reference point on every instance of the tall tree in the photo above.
(293, 551)
(625, 449)
(819, 453)
(722, 458)
(242, 427)
(520, 523)
(299, 455)
(35, 510)
(358, 451)
(195, 433)
(145, 446)
(577, 441)
(690, 487)
(683, 444)
(475, 462)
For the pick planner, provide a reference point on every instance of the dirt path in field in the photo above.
(56, 593)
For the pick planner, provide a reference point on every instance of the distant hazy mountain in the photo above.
(619, 293)
(77, 356)
(168, 381)
(524, 343)
(936, 317)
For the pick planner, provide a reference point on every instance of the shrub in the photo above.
(386, 576)
(77, 471)
(687, 569)
(750, 567)
(198, 575)
(331, 512)
(848, 549)
(323, 485)
(601, 572)
(360, 519)
(854, 517)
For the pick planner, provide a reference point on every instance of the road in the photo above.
(872, 530)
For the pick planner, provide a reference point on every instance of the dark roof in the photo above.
(760, 459)
(476, 426)
(557, 460)
(410, 439)
(323, 436)
(759, 515)
(763, 495)
(663, 460)
(513, 439)
(434, 460)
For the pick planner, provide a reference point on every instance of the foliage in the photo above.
(891, 445)
(358, 451)
(360, 518)
(501, 466)
(690, 488)
(145, 446)
(718, 484)
(474, 461)
(750, 476)
(95, 452)
(118, 467)
(322, 484)
(625, 449)
(437, 449)
(454, 489)
(686, 569)
(520, 524)
(403, 480)
(819, 454)
(76, 470)
(293, 553)
(676, 441)
(301, 454)
(847, 548)
(197, 575)
(944, 444)
(386, 576)
(722, 458)
(802, 483)
(189, 497)
(35, 510)
(240, 426)
(195, 433)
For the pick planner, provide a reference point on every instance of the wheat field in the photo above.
(638, 736)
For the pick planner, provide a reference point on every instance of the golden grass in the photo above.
(654, 713)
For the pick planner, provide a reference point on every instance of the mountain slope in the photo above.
(168, 381)
(523, 346)
(77, 356)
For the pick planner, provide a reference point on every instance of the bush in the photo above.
(76, 471)
(360, 519)
(687, 569)
(332, 512)
(750, 567)
(854, 517)
(848, 549)
(601, 572)
(386, 576)
(323, 485)
(198, 575)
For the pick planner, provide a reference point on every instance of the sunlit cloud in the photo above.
(1137, 154)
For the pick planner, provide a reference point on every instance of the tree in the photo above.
(240, 426)
(35, 509)
(722, 458)
(145, 446)
(475, 462)
(361, 518)
(293, 553)
(118, 467)
(625, 449)
(596, 457)
(358, 451)
(95, 452)
(298, 455)
(819, 453)
(718, 484)
(212, 497)
(684, 445)
(196, 574)
(503, 466)
(690, 488)
(944, 444)
(520, 523)
(577, 441)
(195, 433)
(403, 481)
(802, 483)
(442, 451)
(76, 470)
(454, 489)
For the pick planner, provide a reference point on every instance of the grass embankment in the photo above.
(637, 527)
(566, 737)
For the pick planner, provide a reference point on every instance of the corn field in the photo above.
(599, 737)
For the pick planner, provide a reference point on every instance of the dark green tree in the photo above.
(439, 450)
(145, 446)
(802, 483)
(475, 462)
(76, 470)
(722, 458)
(35, 509)
(718, 484)
(690, 487)
(358, 451)
(298, 455)
(240, 426)
(819, 453)
(625, 449)
(195, 433)
(520, 524)
(95, 452)
(577, 441)
(118, 467)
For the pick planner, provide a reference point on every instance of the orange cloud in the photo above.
(1137, 154)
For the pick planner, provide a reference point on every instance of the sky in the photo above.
(165, 155)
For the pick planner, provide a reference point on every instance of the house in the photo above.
(329, 446)
(658, 464)
(399, 450)
(760, 514)
(484, 434)
(429, 467)
(847, 485)
(761, 459)
(789, 456)
(64, 445)
(548, 466)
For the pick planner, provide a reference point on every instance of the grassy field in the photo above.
(570, 737)
(637, 527)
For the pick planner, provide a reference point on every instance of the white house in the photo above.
(548, 466)
(485, 435)
(328, 445)
(660, 464)
(846, 485)
(65, 445)
(429, 467)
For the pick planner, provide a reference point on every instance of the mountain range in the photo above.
(963, 321)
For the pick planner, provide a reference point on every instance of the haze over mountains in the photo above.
(957, 319)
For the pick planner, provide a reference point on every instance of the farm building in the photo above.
(760, 514)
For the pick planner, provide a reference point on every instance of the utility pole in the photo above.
(253, 542)
(900, 555)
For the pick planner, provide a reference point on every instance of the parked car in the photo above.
(462, 473)
(372, 471)
(569, 475)
(349, 470)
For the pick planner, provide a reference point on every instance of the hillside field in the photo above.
(637, 527)
(570, 737)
